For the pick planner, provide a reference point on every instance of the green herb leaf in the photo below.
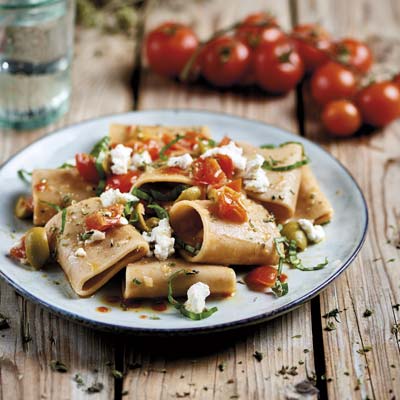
(136, 281)
(280, 289)
(267, 146)
(172, 195)
(160, 212)
(100, 187)
(181, 307)
(52, 205)
(168, 145)
(367, 313)
(101, 146)
(66, 165)
(24, 175)
(63, 219)
(193, 250)
(142, 195)
(95, 388)
(272, 166)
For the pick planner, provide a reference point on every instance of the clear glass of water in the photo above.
(36, 46)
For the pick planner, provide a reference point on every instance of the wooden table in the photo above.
(157, 368)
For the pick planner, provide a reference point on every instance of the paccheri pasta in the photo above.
(179, 211)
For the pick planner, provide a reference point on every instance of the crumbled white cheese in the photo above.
(255, 179)
(140, 160)
(161, 237)
(197, 295)
(95, 236)
(183, 162)
(230, 150)
(114, 196)
(80, 252)
(120, 157)
(315, 233)
(123, 221)
(148, 281)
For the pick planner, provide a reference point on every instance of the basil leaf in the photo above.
(181, 307)
(168, 145)
(142, 195)
(24, 175)
(160, 212)
(168, 196)
(101, 146)
(187, 247)
(267, 146)
(295, 262)
(66, 165)
(271, 166)
(100, 187)
(280, 289)
(52, 205)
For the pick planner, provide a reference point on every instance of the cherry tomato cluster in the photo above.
(257, 51)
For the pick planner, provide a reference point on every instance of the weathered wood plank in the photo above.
(100, 86)
(191, 364)
(372, 281)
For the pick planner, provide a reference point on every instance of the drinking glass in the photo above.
(36, 46)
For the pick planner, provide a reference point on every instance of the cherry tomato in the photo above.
(224, 61)
(379, 103)
(396, 80)
(122, 182)
(236, 185)
(354, 53)
(341, 117)
(261, 277)
(278, 68)
(332, 81)
(169, 47)
(313, 44)
(18, 251)
(226, 164)
(85, 163)
(104, 219)
(229, 206)
(207, 171)
(224, 141)
(260, 19)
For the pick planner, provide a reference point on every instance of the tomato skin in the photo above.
(261, 277)
(396, 80)
(261, 19)
(226, 164)
(85, 163)
(169, 47)
(229, 206)
(379, 103)
(122, 182)
(332, 81)
(18, 252)
(207, 171)
(236, 185)
(278, 68)
(341, 117)
(313, 44)
(104, 219)
(224, 61)
(355, 53)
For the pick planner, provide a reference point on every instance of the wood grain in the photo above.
(190, 365)
(100, 86)
(372, 281)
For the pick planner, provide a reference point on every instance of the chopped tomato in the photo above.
(226, 164)
(153, 148)
(236, 185)
(229, 206)
(283, 278)
(207, 171)
(122, 182)
(41, 186)
(18, 251)
(186, 143)
(261, 277)
(225, 140)
(85, 163)
(104, 219)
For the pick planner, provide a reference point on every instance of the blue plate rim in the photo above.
(205, 329)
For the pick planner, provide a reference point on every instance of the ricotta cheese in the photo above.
(120, 157)
(315, 233)
(95, 236)
(80, 252)
(183, 162)
(197, 295)
(114, 196)
(161, 238)
(140, 160)
(255, 179)
(230, 150)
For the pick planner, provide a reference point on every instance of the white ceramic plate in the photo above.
(345, 234)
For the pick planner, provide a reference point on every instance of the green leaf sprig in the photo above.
(168, 145)
(180, 306)
(24, 175)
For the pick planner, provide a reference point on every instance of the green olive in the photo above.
(192, 193)
(23, 207)
(141, 223)
(293, 231)
(152, 222)
(212, 194)
(37, 247)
